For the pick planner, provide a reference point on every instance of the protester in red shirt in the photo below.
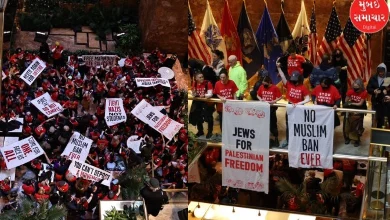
(28, 188)
(202, 89)
(268, 92)
(294, 62)
(57, 55)
(5, 187)
(112, 195)
(326, 94)
(224, 89)
(356, 98)
(297, 93)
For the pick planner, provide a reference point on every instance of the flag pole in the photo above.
(265, 1)
(282, 5)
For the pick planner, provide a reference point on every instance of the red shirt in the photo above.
(57, 52)
(4, 187)
(356, 97)
(200, 89)
(225, 90)
(45, 187)
(112, 91)
(114, 198)
(269, 94)
(295, 64)
(28, 189)
(297, 93)
(359, 190)
(41, 197)
(328, 96)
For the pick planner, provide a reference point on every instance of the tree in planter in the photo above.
(297, 199)
(132, 181)
(130, 42)
(28, 210)
(113, 214)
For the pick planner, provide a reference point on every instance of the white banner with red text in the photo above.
(21, 152)
(149, 82)
(245, 150)
(115, 113)
(89, 172)
(311, 130)
(155, 119)
(33, 70)
(78, 147)
(47, 106)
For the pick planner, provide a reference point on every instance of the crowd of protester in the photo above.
(82, 90)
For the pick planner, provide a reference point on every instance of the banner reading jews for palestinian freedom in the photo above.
(89, 172)
(245, 150)
(21, 152)
(311, 130)
(149, 82)
(99, 60)
(115, 113)
(77, 147)
(155, 119)
(33, 71)
(47, 105)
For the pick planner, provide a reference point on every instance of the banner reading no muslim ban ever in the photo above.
(155, 119)
(47, 105)
(21, 152)
(311, 130)
(77, 147)
(89, 172)
(114, 113)
(245, 151)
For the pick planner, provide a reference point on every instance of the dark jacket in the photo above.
(154, 200)
(373, 84)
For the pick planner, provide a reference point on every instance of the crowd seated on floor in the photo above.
(81, 90)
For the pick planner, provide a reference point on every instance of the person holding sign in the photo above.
(297, 93)
(224, 89)
(270, 93)
(353, 122)
(326, 94)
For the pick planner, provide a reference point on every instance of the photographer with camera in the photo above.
(154, 197)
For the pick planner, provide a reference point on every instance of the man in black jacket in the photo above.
(154, 197)
(375, 89)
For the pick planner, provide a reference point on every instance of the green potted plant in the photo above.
(114, 214)
(132, 181)
(28, 210)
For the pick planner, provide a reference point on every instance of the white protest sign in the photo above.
(245, 150)
(149, 82)
(33, 70)
(115, 113)
(89, 172)
(99, 60)
(3, 76)
(47, 106)
(77, 147)
(134, 143)
(21, 152)
(311, 131)
(155, 119)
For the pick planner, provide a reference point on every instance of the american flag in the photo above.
(196, 47)
(352, 43)
(313, 37)
(332, 34)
